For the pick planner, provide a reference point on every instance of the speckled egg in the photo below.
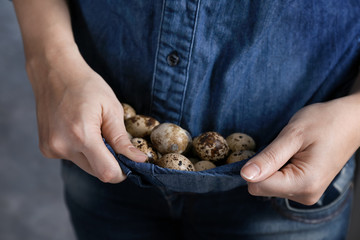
(170, 138)
(144, 146)
(204, 165)
(140, 126)
(211, 146)
(175, 161)
(239, 156)
(129, 111)
(240, 141)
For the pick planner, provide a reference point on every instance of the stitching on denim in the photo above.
(189, 59)
(300, 211)
(153, 175)
(169, 197)
(340, 207)
(156, 58)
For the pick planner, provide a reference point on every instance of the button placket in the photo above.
(173, 57)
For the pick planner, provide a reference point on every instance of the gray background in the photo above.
(31, 198)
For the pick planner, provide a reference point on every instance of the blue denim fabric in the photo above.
(219, 179)
(127, 211)
(243, 66)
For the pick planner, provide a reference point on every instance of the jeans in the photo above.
(184, 205)
(127, 211)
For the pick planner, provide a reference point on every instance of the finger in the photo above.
(82, 162)
(57, 148)
(114, 132)
(102, 162)
(274, 156)
(291, 182)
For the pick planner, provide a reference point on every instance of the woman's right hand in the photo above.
(75, 109)
(75, 106)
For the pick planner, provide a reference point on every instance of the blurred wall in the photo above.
(31, 198)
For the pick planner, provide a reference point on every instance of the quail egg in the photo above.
(144, 146)
(240, 141)
(239, 156)
(170, 138)
(204, 165)
(211, 146)
(175, 161)
(140, 125)
(129, 111)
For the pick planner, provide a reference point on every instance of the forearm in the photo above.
(355, 100)
(45, 27)
(349, 108)
(49, 45)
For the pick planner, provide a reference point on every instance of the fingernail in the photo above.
(250, 171)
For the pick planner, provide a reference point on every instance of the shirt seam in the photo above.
(188, 64)
(156, 59)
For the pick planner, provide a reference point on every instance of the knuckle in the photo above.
(295, 131)
(310, 189)
(77, 134)
(311, 194)
(51, 147)
(270, 157)
(45, 151)
(311, 200)
(254, 189)
(109, 175)
(55, 145)
(120, 140)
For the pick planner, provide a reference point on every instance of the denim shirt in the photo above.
(225, 65)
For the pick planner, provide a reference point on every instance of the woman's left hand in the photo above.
(308, 153)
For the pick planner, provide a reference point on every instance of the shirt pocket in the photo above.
(219, 179)
(334, 200)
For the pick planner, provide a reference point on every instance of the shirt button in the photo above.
(173, 58)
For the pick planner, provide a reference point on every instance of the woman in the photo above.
(280, 71)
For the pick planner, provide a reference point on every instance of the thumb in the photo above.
(274, 156)
(114, 132)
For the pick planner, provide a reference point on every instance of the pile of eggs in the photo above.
(170, 146)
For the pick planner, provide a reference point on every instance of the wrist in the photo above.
(60, 67)
(49, 56)
(350, 106)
